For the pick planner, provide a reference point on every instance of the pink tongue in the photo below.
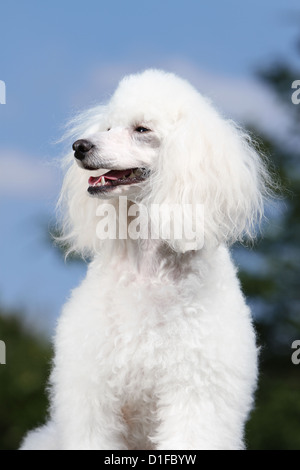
(116, 174)
(111, 175)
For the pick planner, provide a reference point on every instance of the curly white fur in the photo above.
(156, 349)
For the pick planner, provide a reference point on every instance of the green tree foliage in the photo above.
(23, 402)
(274, 286)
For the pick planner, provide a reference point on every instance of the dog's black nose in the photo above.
(81, 147)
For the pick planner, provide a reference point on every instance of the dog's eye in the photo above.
(141, 129)
(108, 129)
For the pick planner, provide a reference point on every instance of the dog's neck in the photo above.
(145, 254)
(152, 256)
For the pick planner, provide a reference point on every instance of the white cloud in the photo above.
(25, 176)
(244, 99)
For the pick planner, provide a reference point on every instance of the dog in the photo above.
(156, 348)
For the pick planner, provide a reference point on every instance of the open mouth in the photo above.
(114, 178)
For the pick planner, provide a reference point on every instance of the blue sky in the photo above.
(58, 57)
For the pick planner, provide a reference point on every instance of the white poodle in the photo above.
(156, 348)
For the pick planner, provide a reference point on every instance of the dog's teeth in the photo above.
(132, 175)
(123, 177)
(102, 181)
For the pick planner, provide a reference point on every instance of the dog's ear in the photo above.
(209, 167)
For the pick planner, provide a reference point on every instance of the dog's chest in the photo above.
(144, 324)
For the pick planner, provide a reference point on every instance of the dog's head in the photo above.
(159, 142)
